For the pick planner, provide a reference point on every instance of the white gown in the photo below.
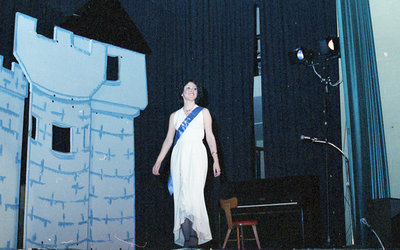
(189, 171)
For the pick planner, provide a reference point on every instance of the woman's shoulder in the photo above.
(205, 110)
(176, 113)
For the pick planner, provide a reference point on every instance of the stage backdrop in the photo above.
(296, 102)
(212, 42)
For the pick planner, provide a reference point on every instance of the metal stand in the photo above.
(327, 82)
(348, 183)
(328, 240)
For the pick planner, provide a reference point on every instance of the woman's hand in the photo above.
(156, 168)
(216, 169)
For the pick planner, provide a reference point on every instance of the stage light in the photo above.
(327, 49)
(329, 46)
(300, 56)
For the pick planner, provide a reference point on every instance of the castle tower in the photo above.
(84, 96)
(13, 91)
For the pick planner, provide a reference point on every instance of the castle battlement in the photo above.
(13, 80)
(62, 37)
(71, 66)
(79, 63)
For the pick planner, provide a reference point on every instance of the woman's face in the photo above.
(190, 91)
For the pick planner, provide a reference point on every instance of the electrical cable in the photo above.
(364, 221)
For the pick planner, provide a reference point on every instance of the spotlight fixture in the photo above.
(329, 47)
(300, 56)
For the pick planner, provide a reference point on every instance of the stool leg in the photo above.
(238, 237)
(256, 236)
(241, 236)
(226, 238)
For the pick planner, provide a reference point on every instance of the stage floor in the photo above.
(353, 248)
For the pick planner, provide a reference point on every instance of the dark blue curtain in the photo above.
(212, 43)
(367, 149)
(295, 103)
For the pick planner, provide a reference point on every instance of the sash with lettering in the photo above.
(179, 133)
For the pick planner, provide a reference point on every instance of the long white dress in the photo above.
(189, 171)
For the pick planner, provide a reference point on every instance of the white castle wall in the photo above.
(57, 183)
(13, 91)
(83, 198)
(112, 182)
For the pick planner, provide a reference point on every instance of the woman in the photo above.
(189, 166)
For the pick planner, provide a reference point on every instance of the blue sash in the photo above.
(179, 133)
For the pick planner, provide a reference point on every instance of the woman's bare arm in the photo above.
(212, 144)
(166, 145)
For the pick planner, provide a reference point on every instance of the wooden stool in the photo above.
(226, 205)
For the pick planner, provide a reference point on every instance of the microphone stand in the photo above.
(326, 160)
(348, 183)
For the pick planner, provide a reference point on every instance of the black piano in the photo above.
(287, 210)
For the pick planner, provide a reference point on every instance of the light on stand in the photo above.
(300, 56)
(332, 45)
(326, 51)
(329, 48)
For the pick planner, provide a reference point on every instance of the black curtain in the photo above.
(212, 43)
(294, 104)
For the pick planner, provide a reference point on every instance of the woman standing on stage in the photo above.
(189, 166)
